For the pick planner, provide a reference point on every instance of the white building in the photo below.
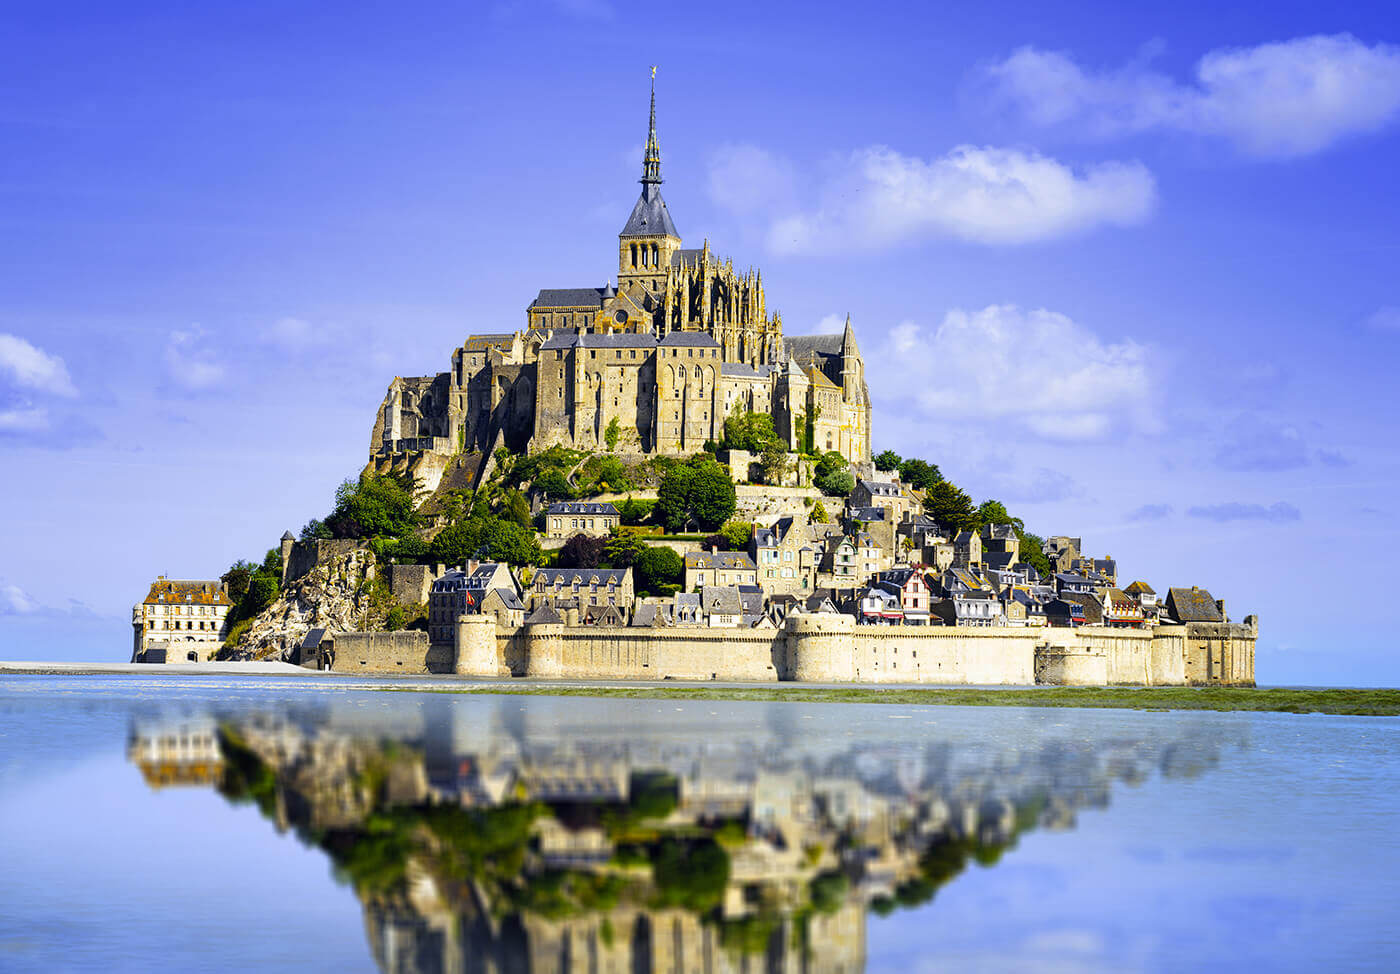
(180, 622)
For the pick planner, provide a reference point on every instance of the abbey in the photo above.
(682, 341)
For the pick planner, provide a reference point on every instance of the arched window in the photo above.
(654, 255)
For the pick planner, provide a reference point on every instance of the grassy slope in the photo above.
(1366, 702)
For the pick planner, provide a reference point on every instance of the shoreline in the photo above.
(1339, 701)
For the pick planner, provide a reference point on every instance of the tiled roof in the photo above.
(720, 559)
(172, 592)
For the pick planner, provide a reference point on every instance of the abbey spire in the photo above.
(648, 241)
(651, 158)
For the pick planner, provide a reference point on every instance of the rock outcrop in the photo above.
(336, 593)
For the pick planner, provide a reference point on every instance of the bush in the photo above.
(828, 891)
(485, 536)
(634, 511)
(610, 435)
(656, 568)
(582, 551)
(554, 485)
(838, 484)
(692, 876)
(749, 431)
(394, 621)
(622, 550)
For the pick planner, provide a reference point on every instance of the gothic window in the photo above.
(634, 255)
(654, 256)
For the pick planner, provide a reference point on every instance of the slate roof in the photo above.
(1093, 608)
(880, 488)
(689, 338)
(867, 514)
(560, 339)
(313, 638)
(568, 297)
(509, 598)
(765, 538)
(999, 532)
(1140, 588)
(722, 600)
(650, 217)
(686, 255)
(544, 615)
(741, 370)
(751, 597)
(1193, 605)
(800, 347)
(585, 576)
(479, 343)
(819, 378)
(581, 507)
(731, 560)
(617, 339)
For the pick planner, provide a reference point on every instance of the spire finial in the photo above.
(651, 161)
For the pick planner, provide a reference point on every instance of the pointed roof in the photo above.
(650, 218)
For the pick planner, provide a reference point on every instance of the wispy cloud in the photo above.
(1150, 512)
(876, 198)
(15, 601)
(1257, 444)
(1284, 99)
(30, 368)
(1039, 370)
(1384, 319)
(190, 361)
(1275, 513)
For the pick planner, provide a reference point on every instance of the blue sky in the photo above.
(1129, 269)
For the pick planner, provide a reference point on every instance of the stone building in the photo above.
(568, 518)
(657, 362)
(180, 621)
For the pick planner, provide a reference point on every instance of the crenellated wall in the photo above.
(823, 648)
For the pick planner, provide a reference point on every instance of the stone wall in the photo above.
(1220, 652)
(405, 651)
(817, 648)
(410, 584)
(306, 555)
(762, 503)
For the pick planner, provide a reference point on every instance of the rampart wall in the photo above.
(819, 648)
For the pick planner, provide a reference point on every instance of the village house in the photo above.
(1029, 610)
(1146, 599)
(975, 608)
(1063, 614)
(785, 557)
(715, 567)
(880, 607)
(1121, 610)
(568, 518)
(1062, 552)
(913, 591)
(462, 591)
(1001, 539)
(967, 549)
(1194, 605)
(722, 606)
(180, 621)
(580, 588)
(883, 494)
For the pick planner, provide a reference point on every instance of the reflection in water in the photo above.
(483, 835)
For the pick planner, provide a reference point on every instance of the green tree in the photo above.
(623, 549)
(315, 530)
(375, 506)
(237, 578)
(831, 475)
(1033, 553)
(554, 484)
(888, 460)
(394, 620)
(509, 542)
(611, 433)
(819, 515)
(749, 431)
(828, 891)
(516, 508)
(920, 473)
(774, 463)
(657, 569)
(995, 512)
(690, 875)
(737, 534)
(698, 491)
(950, 507)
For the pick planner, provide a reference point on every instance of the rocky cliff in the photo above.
(340, 592)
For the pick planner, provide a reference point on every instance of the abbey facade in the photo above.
(681, 342)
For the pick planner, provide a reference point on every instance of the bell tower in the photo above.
(649, 239)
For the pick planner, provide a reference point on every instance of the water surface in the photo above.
(215, 823)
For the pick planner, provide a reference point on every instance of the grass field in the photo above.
(1362, 702)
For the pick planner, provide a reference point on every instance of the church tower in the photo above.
(647, 242)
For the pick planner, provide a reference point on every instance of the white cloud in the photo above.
(1283, 99)
(876, 197)
(1277, 513)
(1384, 319)
(294, 333)
(747, 178)
(24, 419)
(190, 362)
(14, 599)
(32, 368)
(1036, 369)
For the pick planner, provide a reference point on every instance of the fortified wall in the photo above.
(821, 648)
